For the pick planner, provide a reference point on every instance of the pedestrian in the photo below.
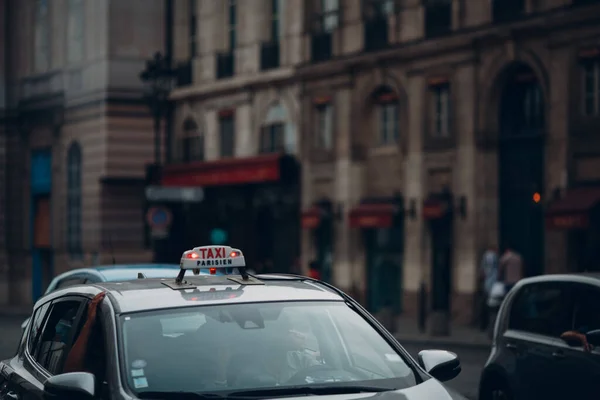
(488, 274)
(314, 270)
(510, 268)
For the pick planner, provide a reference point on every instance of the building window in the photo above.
(388, 115)
(42, 36)
(376, 24)
(232, 24)
(227, 134)
(190, 146)
(378, 8)
(324, 127)
(75, 30)
(591, 87)
(193, 28)
(389, 131)
(74, 200)
(440, 110)
(438, 17)
(276, 20)
(329, 16)
(272, 134)
(507, 10)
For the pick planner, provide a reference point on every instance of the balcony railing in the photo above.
(269, 55)
(184, 73)
(438, 18)
(376, 33)
(321, 46)
(225, 63)
(507, 10)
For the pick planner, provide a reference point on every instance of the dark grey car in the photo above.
(529, 360)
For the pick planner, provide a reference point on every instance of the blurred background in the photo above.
(390, 142)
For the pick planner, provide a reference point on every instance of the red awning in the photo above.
(311, 217)
(572, 211)
(435, 208)
(234, 171)
(372, 215)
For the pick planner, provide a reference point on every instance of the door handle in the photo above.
(12, 396)
(558, 354)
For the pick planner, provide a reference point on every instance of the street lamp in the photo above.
(158, 79)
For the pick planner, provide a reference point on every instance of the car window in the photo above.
(362, 345)
(35, 326)
(543, 309)
(247, 346)
(56, 335)
(70, 282)
(586, 315)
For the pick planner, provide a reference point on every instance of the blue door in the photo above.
(40, 223)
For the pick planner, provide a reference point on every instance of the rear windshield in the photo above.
(235, 347)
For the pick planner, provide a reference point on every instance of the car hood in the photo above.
(430, 389)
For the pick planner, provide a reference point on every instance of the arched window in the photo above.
(74, 200)
(273, 132)
(190, 146)
(388, 116)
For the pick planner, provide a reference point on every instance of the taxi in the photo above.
(227, 334)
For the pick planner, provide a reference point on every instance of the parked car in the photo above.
(531, 358)
(109, 273)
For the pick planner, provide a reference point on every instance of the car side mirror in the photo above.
(593, 337)
(73, 385)
(24, 324)
(441, 364)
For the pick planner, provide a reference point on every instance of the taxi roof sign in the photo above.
(212, 257)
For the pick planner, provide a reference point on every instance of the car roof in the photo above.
(121, 271)
(584, 277)
(152, 294)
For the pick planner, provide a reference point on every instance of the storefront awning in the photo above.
(435, 208)
(573, 210)
(311, 217)
(234, 171)
(373, 215)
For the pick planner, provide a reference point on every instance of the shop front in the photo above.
(577, 213)
(438, 212)
(252, 204)
(381, 222)
(319, 220)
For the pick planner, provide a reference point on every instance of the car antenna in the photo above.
(112, 251)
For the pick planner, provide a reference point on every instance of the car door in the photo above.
(580, 370)
(15, 381)
(49, 345)
(539, 314)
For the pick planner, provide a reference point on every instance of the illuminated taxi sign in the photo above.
(212, 257)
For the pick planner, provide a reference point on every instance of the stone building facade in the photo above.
(424, 134)
(490, 137)
(232, 121)
(76, 136)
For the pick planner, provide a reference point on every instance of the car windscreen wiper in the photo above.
(306, 390)
(180, 395)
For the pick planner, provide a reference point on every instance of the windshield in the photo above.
(256, 345)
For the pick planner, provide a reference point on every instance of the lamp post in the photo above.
(158, 78)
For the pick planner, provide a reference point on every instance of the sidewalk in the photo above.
(465, 336)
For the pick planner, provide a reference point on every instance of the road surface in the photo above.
(466, 383)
